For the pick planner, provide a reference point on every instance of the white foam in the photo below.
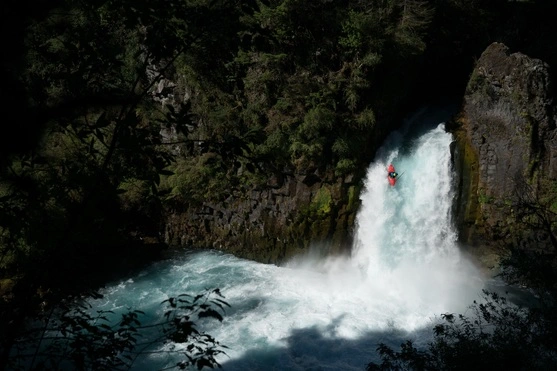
(331, 313)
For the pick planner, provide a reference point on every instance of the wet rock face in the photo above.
(273, 224)
(509, 107)
(508, 124)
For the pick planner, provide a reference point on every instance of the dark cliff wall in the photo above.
(272, 224)
(506, 136)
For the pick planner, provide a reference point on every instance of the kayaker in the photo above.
(393, 174)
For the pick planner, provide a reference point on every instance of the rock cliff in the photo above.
(506, 138)
(272, 224)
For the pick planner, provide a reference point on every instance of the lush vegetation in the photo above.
(245, 89)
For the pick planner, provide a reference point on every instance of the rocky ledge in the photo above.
(506, 143)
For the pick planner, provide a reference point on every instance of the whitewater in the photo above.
(405, 270)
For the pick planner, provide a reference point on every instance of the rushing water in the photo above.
(330, 314)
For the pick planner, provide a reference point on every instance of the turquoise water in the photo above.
(330, 314)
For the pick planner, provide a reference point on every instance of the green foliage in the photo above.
(274, 144)
(197, 180)
(484, 199)
(345, 166)
(291, 67)
(366, 119)
(415, 17)
(352, 198)
(318, 121)
(320, 206)
(341, 147)
(362, 37)
(353, 31)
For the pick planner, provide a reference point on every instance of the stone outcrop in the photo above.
(272, 224)
(506, 136)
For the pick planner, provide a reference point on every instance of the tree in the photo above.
(80, 202)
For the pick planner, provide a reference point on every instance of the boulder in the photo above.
(506, 138)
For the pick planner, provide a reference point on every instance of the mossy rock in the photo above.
(321, 203)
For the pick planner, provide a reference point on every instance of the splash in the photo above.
(331, 313)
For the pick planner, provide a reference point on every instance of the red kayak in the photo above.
(391, 175)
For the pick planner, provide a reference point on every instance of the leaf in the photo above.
(171, 302)
(198, 297)
(222, 302)
(211, 313)
(203, 362)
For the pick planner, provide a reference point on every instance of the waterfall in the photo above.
(405, 269)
